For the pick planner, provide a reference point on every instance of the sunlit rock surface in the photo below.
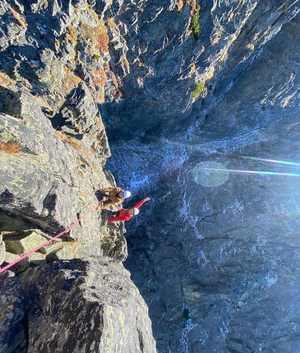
(56, 69)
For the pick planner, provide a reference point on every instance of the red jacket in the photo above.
(124, 214)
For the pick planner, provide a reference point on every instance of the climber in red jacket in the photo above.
(126, 214)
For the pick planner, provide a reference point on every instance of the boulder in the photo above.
(20, 266)
(20, 242)
(68, 250)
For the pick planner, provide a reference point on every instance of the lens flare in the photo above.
(257, 172)
(203, 174)
(274, 161)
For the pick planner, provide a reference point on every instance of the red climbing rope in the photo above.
(32, 251)
(43, 245)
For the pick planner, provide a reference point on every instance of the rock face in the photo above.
(215, 256)
(74, 306)
(56, 68)
(12, 323)
(81, 307)
(197, 95)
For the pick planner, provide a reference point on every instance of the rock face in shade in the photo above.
(82, 307)
(56, 69)
(216, 253)
(13, 319)
(74, 306)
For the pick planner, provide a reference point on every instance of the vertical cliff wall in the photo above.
(57, 67)
(216, 254)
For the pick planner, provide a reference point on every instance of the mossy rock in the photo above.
(198, 90)
(195, 23)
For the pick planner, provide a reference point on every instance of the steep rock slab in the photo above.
(46, 180)
(217, 265)
(86, 308)
(54, 71)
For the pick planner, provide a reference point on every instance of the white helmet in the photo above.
(136, 211)
(125, 194)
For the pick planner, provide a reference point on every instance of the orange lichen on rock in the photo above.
(100, 95)
(97, 36)
(10, 147)
(103, 39)
(99, 77)
(70, 80)
(6, 81)
(68, 139)
(180, 4)
(192, 3)
(72, 35)
(19, 18)
(116, 81)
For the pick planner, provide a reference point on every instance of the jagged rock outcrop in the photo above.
(57, 66)
(81, 307)
(168, 64)
(50, 178)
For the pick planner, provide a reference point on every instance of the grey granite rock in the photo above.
(82, 307)
(55, 71)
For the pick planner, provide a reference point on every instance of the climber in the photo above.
(126, 214)
(111, 198)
